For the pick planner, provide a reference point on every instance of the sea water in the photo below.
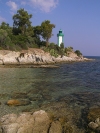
(78, 81)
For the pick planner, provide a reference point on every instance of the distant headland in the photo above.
(27, 44)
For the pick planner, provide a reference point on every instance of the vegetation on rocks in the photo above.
(22, 35)
(78, 53)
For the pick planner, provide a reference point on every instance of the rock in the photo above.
(3, 95)
(93, 118)
(47, 97)
(11, 128)
(42, 122)
(1, 62)
(18, 102)
(37, 122)
(26, 59)
(97, 121)
(34, 56)
(19, 95)
(93, 114)
(93, 125)
(35, 98)
(13, 102)
(55, 127)
(10, 57)
(72, 54)
(10, 118)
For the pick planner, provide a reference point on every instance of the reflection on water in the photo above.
(77, 84)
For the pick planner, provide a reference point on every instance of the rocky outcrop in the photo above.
(37, 122)
(33, 56)
(72, 54)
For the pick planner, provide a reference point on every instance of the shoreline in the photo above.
(35, 58)
(65, 111)
(51, 65)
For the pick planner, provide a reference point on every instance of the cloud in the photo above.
(45, 5)
(2, 19)
(23, 3)
(12, 5)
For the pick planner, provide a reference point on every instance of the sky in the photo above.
(78, 19)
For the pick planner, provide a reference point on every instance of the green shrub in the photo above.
(68, 49)
(53, 53)
(62, 45)
(78, 53)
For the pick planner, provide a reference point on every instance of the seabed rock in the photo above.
(18, 95)
(18, 102)
(94, 120)
(37, 122)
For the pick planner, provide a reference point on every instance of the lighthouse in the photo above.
(60, 37)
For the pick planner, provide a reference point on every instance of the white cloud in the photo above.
(2, 19)
(23, 3)
(12, 5)
(45, 5)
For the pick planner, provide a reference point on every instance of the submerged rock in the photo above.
(94, 119)
(93, 114)
(19, 95)
(93, 125)
(37, 122)
(18, 102)
(56, 127)
(35, 98)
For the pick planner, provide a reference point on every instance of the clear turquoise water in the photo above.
(80, 81)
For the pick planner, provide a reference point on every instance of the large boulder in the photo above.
(37, 122)
(9, 57)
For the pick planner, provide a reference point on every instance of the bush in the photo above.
(54, 50)
(78, 53)
(53, 53)
(68, 49)
(62, 45)
(5, 41)
(3, 36)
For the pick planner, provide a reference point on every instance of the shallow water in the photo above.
(77, 83)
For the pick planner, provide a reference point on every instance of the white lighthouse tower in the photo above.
(60, 36)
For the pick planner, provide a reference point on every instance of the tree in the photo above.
(5, 41)
(3, 36)
(46, 30)
(22, 22)
(37, 35)
(4, 26)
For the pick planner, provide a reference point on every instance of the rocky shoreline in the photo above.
(35, 57)
(74, 113)
(44, 122)
(65, 115)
